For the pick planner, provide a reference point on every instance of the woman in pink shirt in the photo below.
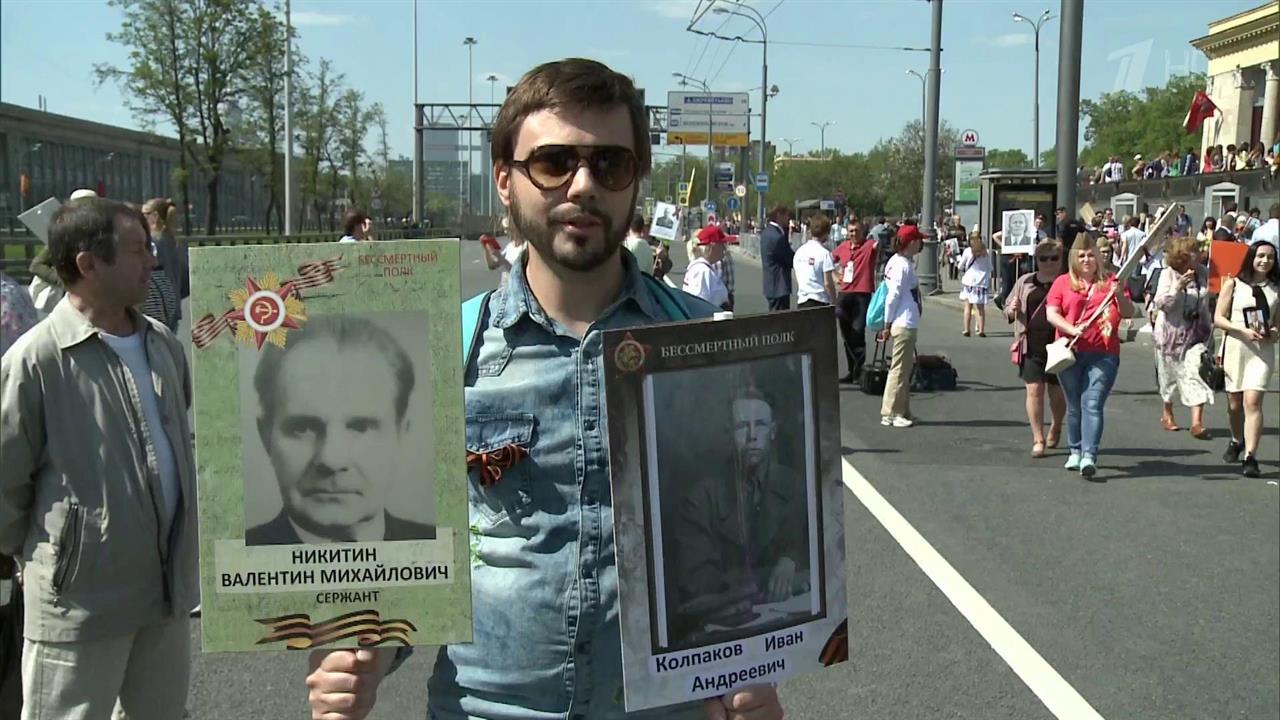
(1073, 307)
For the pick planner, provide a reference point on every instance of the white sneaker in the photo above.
(886, 420)
(900, 422)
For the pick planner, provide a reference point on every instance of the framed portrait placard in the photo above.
(666, 221)
(728, 503)
(329, 449)
(1018, 232)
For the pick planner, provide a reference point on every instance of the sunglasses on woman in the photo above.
(1049, 258)
(551, 167)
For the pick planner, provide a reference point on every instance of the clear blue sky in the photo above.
(50, 46)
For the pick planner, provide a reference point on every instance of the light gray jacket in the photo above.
(80, 496)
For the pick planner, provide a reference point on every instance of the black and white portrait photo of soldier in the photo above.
(743, 527)
(666, 220)
(1018, 231)
(334, 423)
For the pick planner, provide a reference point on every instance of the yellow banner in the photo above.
(687, 137)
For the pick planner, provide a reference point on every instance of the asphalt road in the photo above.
(1156, 595)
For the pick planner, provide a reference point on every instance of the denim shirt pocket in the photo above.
(509, 498)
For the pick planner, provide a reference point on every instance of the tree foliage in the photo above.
(261, 137)
(215, 71)
(156, 81)
(887, 180)
(1124, 123)
(188, 62)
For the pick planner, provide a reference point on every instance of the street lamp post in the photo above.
(822, 130)
(493, 79)
(686, 80)
(1035, 121)
(758, 19)
(923, 93)
(791, 143)
(470, 44)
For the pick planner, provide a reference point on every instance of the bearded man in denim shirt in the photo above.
(570, 146)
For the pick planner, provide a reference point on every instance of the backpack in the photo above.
(475, 307)
(875, 309)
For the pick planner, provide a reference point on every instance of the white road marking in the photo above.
(1056, 693)
(1273, 482)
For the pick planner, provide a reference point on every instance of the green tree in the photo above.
(315, 108)
(188, 62)
(156, 83)
(262, 136)
(1007, 159)
(354, 121)
(902, 172)
(1124, 123)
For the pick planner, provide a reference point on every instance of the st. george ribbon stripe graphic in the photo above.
(298, 633)
(311, 275)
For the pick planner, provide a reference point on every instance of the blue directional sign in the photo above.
(733, 203)
(709, 206)
(762, 182)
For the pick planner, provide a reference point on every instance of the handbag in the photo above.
(1019, 347)
(1211, 370)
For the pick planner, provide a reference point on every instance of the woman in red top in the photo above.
(1072, 306)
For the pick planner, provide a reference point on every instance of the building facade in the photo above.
(1243, 54)
(45, 155)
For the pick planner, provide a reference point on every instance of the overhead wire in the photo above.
(732, 47)
(709, 37)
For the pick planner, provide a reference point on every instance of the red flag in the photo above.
(1202, 108)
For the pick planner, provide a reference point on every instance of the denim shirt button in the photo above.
(589, 425)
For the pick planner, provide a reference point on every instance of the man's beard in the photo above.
(582, 257)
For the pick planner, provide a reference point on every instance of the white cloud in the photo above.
(674, 9)
(1015, 39)
(307, 17)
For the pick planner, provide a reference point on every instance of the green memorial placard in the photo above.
(329, 445)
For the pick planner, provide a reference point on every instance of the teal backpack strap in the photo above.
(672, 304)
(473, 311)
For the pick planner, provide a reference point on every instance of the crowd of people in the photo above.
(94, 427)
(96, 396)
(1171, 163)
(1060, 292)
(1171, 287)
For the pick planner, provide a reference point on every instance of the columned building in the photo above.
(1243, 54)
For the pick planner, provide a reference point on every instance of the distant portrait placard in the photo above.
(328, 416)
(728, 513)
(666, 221)
(1018, 232)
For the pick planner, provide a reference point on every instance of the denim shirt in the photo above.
(544, 584)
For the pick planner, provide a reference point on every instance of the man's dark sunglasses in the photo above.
(551, 167)
(1049, 258)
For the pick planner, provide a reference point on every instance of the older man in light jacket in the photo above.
(97, 497)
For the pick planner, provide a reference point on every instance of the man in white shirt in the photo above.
(1270, 230)
(700, 277)
(638, 245)
(815, 270)
(1131, 240)
(1113, 171)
